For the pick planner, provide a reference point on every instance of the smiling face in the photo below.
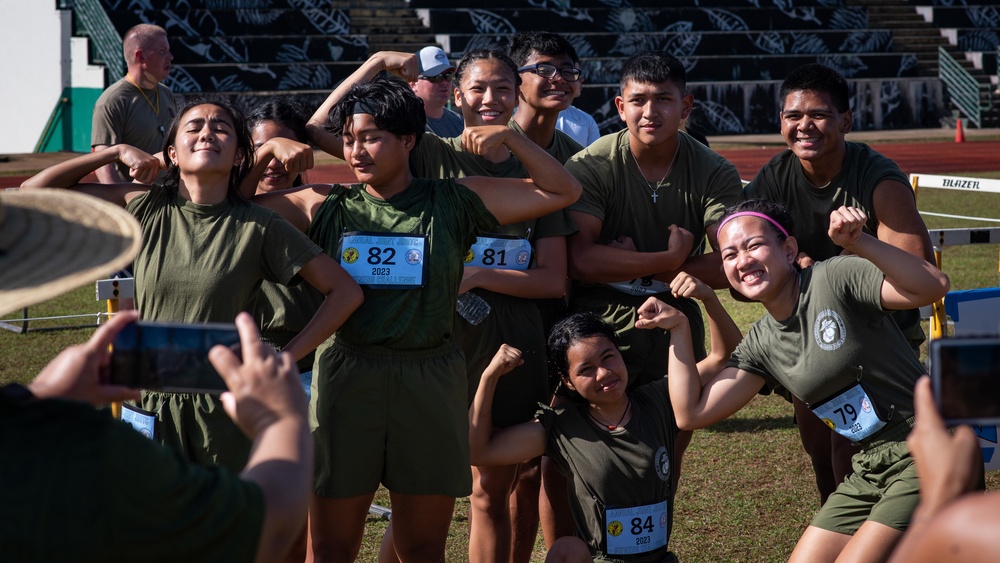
(813, 128)
(205, 141)
(376, 156)
(596, 370)
(552, 94)
(486, 94)
(756, 263)
(275, 177)
(653, 112)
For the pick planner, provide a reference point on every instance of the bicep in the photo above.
(515, 444)
(510, 199)
(729, 391)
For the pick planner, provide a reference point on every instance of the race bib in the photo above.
(143, 421)
(384, 260)
(636, 530)
(641, 286)
(500, 252)
(850, 413)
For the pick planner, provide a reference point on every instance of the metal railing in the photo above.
(966, 92)
(106, 40)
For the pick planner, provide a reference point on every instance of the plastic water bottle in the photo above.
(472, 307)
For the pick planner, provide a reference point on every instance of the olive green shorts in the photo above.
(883, 488)
(393, 417)
(645, 351)
(518, 323)
(196, 425)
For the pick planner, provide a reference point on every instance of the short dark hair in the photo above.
(523, 44)
(770, 208)
(815, 77)
(244, 146)
(653, 67)
(391, 103)
(567, 332)
(486, 54)
(284, 111)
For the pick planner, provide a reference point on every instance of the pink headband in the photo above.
(753, 214)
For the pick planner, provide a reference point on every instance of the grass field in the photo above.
(747, 490)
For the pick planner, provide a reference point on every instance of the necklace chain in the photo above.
(156, 108)
(652, 191)
(628, 403)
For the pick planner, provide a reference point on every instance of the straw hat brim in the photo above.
(53, 241)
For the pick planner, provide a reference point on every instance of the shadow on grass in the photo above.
(751, 424)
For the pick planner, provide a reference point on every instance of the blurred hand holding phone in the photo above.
(965, 378)
(170, 357)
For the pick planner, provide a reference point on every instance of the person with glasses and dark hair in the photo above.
(433, 86)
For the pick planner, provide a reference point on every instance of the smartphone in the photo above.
(170, 356)
(965, 375)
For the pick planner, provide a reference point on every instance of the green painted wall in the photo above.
(70, 121)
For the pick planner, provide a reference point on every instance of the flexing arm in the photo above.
(68, 174)
(297, 205)
(546, 280)
(910, 281)
(591, 261)
(706, 267)
(266, 401)
(511, 445)
(696, 405)
(724, 333)
(108, 174)
(296, 157)
(342, 297)
(404, 65)
(550, 187)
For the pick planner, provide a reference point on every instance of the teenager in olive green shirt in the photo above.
(828, 339)
(401, 338)
(819, 172)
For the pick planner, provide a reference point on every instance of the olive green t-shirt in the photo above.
(205, 263)
(837, 335)
(125, 114)
(449, 214)
(625, 467)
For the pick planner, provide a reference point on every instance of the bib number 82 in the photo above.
(384, 256)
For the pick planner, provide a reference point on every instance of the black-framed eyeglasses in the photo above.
(443, 77)
(549, 71)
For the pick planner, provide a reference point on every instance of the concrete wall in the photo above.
(40, 66)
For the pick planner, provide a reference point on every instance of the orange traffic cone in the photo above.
(959, 134)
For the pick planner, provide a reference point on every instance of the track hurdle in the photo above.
(955, 237)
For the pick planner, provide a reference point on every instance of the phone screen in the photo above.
(965, 374)
(170, 356)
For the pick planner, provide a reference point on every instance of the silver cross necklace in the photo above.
(652, 191)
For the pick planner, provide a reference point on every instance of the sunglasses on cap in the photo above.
(443, 77)
(549, 71)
